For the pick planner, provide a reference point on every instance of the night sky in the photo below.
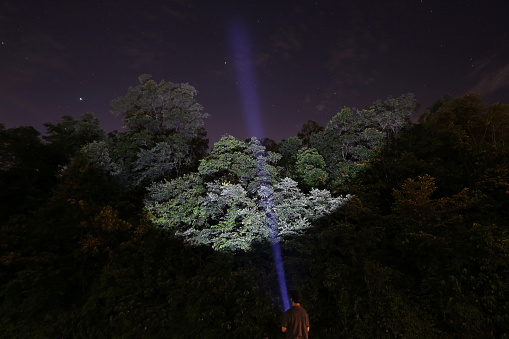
(306, 59)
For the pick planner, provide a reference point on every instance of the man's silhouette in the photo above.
(295, 320)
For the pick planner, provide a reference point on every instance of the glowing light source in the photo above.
(245, 74)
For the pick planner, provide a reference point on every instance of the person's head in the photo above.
(296, 296)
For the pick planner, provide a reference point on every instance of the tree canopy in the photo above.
(391, 229)
(163, 137)
(237, 198)
(69, 135)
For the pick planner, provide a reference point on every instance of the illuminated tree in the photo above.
(235, 199)
(310, 168)
(236, 161)
(347, 144)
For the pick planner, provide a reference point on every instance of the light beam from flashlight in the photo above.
(239, 40)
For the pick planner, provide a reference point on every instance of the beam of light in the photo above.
(278, 259)
(252, 117)
(267, 193)
(246, 79)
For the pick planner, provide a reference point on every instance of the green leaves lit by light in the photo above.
(225, 203)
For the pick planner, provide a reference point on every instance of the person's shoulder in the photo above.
(302, 309)
(292, 309)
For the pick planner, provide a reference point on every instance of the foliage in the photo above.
(482, 125)
(288, 149)
(236, 199)
(310, 168)
(68, 136)
(437, 235)
(353, 138)
(160, 108)
(434, 222)
(27, 170)
(420, 249)
(350, 140)
(163, 138)
(308, 129)
(394, 113)
(269, 144)
(236, 161)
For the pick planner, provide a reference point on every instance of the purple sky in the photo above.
(308, 59)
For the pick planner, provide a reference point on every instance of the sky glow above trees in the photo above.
(310, 58)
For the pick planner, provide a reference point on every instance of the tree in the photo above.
(68, 136)
(308, 129)
(27, 170)
(288, 149)
(415, 206)
(352, 138)
(236, 161)
(483, 126)
(347, 144)
(394, 113)
(496, 125)
(310, 168)
(458, 255)
(236, 199)
(159, 109)
(455, 111)
(163, 138)
(269, 144)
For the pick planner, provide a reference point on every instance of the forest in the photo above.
(391, 228)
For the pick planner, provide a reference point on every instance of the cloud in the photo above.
(286, 41)
(140, 57)
(173, 9)
(490, 80)
(351, 58)
(182, 15)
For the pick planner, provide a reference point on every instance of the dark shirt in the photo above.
(296, 321)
